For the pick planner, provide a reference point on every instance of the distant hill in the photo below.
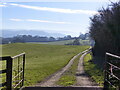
(11, 33)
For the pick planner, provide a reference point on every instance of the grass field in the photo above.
(56, 42)
(92, 69)
(82, 42)
(42, 60)
(60, 42)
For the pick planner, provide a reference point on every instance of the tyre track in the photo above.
(50, 82)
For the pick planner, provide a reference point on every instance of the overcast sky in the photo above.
(64, 17)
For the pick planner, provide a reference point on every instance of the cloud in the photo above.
(2, 5)
(17, 20)
(36, 20)
(57, 0)
(59, 10)
(44, 21)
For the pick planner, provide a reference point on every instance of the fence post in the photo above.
(9, 73)
(106, 86)
(23, 69)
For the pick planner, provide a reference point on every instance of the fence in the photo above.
(13, 71)
(112, 72)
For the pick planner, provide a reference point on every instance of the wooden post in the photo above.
(18, 70)
(9, 73)
(106, 85)
(23, 69)
(119, 85)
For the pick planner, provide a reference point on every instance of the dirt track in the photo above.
(50, 82)
(81, 76)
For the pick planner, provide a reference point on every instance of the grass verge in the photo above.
(69, 78)
(92, 69)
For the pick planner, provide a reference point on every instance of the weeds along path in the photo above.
(82, 78)
(50, 82)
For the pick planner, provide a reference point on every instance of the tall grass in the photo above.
(42, 60)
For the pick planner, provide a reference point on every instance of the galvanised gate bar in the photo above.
(112, 72)
(12, 72)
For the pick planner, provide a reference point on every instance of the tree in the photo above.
(76, 42)
(18, 40)
(82, 36)
(52, 39)
(68, 37)
(105, 30)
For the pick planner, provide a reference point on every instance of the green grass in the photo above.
(92, 69)
(56, 42)
(82, 42)
(42, 60)
(69, 78)
(61, 42)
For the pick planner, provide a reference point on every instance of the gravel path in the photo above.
(50, 82)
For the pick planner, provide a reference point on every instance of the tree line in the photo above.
(105, 30)
(30, 38)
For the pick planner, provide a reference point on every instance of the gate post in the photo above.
(9, 73)
(23, 69)
(106, 85)
(106, 75)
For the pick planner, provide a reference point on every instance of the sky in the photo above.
(70, 18)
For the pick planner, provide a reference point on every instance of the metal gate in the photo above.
(12, 72)
(112, 72)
